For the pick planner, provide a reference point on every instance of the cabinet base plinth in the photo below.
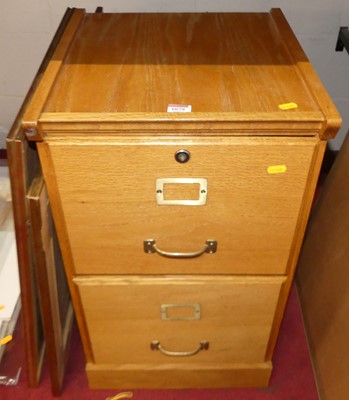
(180, 376)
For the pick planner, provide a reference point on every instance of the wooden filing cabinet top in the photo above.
(117, 72)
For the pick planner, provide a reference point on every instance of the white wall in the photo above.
(27, 27)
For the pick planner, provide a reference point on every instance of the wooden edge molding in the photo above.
(332, 118)
(53, 66)
(277, 123)
(278, 116)
(100, 280)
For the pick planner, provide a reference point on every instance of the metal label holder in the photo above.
(202, 195)
(195, 308)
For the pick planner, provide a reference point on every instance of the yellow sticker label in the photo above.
(6, 339)
(277, 169)
(288, 106)
(2, 307)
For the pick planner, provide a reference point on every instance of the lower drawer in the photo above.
(172, 319)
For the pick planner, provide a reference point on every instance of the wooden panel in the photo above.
(236, 318)
(232, 68)
(145, 376)
(323, 281)
(23, 164)
(108, 198)
(199, 59)
(50, 182)
(298, 239)
(57, 312)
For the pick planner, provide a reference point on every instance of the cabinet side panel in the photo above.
(323, 281)
(298, 239)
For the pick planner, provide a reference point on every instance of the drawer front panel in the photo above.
(176, 319)
(252, 194)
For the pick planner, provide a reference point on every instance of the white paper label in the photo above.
(179, 108)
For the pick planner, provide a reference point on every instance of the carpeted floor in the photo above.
(292, 377)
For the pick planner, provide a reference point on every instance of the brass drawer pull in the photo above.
(156, 345)
(150, 247)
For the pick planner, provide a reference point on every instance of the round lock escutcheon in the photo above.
(182, 156)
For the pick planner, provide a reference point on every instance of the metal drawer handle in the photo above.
(156, 345)
(151, 247)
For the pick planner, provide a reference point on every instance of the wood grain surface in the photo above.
(142, 62)
(56, 308)
(109, 203)
(323, 280)
(123, 318)
(225, 65)
(104, 138)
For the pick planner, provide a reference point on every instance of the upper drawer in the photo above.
(251, 198)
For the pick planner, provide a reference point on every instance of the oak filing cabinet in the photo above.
(180, 154)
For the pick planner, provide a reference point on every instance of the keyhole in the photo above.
(182, 156)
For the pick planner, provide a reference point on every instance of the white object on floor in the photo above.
(10, 303)
(9, 281)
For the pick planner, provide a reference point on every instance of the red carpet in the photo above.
(292, 378)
